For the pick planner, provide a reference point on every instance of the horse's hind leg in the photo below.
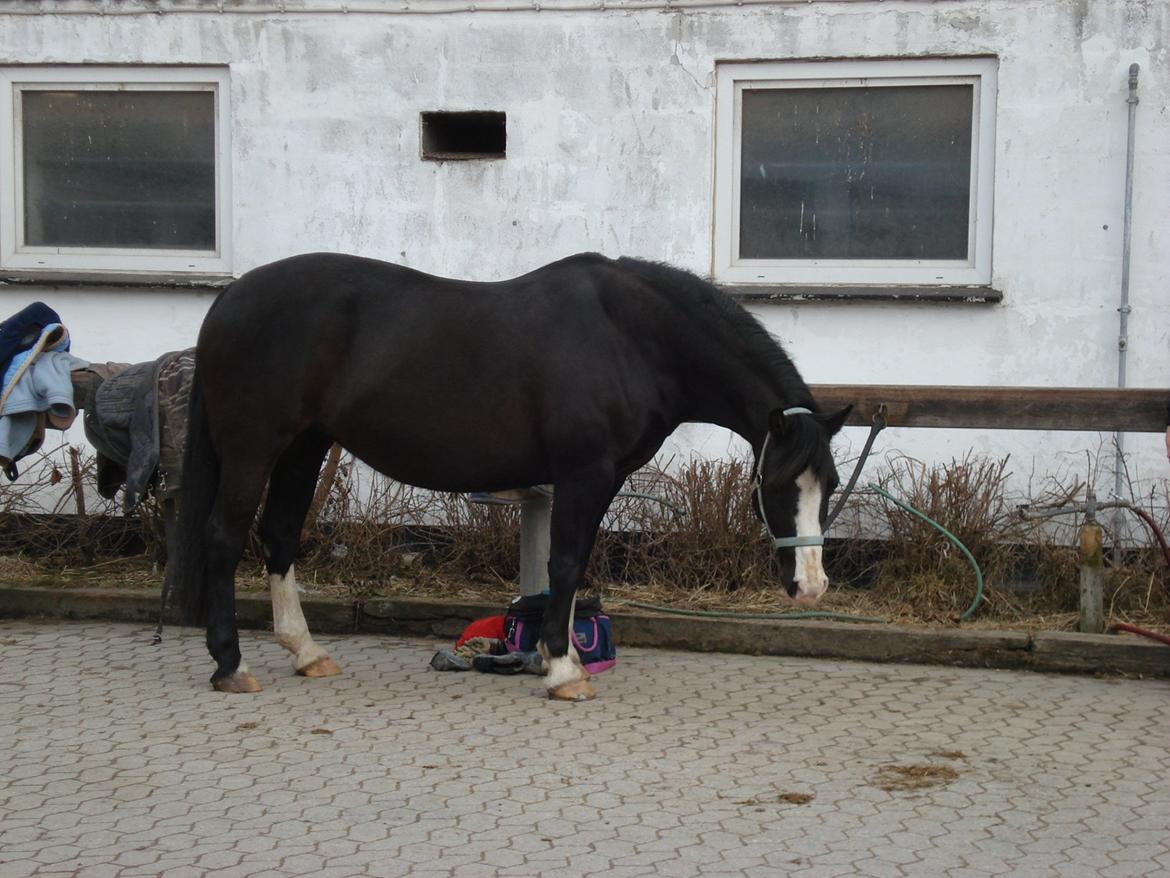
(290, 493)
(240, 485)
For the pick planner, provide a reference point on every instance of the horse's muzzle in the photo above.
(810, 581)
(808, 597)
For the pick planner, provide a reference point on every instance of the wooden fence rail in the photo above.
(1130, 410)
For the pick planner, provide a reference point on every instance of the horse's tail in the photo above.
(199, 486)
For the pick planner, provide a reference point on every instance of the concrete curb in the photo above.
(1042, 651)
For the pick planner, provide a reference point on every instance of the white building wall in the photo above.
(610, 117)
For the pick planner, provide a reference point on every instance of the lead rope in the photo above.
(879, 424)
(162, 610)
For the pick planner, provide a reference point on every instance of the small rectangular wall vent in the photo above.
(451, 136)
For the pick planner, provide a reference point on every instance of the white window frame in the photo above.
(16, 255)
(731, 81)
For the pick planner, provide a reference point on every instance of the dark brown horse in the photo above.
(572, 375)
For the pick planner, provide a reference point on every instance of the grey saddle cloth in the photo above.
(137, 421)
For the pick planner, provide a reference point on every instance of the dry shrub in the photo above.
(917, 566)
(694, 529)
(480, 541)
(373, 534)
(967, 498)
(1138, 592)
(53, 513)
(360, 532)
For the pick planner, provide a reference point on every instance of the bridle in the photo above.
(758, 485)
(879, 424)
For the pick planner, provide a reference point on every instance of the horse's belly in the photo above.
(447, 426)
(435, 461)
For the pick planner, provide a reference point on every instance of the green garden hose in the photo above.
(970, 611)
(844, 617)
(779, 617)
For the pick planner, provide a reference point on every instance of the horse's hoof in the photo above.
(578, 690)
(321, 667)
(239, 681)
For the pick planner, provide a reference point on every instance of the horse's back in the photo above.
(327, 304)
(294, 293)
(299, 291)
(381, 356)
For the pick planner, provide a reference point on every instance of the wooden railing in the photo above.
(1129, 410)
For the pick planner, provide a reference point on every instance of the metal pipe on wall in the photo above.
(1124, 309)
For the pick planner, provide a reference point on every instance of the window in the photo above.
(114, 169)
(855, 172)
(448, 136)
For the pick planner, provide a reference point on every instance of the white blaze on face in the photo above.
(811, 580)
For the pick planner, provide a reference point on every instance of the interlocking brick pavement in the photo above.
(117, 759)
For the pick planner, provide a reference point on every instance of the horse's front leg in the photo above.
(290, 493)
(578, 507)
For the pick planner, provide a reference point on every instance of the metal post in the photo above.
(1092, 557)
(1124, 309)
(535, 521)
(1092, 578)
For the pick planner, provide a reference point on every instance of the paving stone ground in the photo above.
(117, 759)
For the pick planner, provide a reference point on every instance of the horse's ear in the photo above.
(834, 422)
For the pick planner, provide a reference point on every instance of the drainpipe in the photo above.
(1124, 309)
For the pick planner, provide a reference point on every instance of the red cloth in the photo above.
(492, 626)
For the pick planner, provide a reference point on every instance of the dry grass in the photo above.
(778, 799)
(698, 545)
(912, 778)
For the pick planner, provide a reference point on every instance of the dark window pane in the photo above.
(119, 169)
(856, 173)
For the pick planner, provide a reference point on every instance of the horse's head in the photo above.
(795, 475)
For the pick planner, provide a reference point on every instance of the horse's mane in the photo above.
(712, 304)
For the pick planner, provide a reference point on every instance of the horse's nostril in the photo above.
(805, 597)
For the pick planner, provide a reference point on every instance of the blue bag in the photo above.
(591, 630)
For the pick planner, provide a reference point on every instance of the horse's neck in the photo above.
(739, 391)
